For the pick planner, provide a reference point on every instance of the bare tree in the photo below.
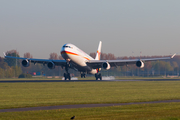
(93, 55)
(60, 57)
(28, 55)
(12, 62)
(111, 56)
(53, 56)
(12, 52)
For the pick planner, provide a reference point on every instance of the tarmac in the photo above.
(81, 106)
(17, 81)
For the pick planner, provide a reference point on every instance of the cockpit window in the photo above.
(66, 46)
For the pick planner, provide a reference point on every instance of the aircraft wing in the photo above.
(43, 61)
(114, 63)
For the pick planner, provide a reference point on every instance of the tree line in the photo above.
(12, 68)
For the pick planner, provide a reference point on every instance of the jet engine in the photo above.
(25, 63)
(140, 64)
(51, 65)
(106, 66)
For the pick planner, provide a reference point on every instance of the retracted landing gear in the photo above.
(98, 76)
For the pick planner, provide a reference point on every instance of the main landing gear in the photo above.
(83, 75)
(98, 76)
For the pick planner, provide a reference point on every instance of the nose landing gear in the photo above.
(67, 74)
(83, 75)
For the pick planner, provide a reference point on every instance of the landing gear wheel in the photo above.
(98, 76)
(83, 75)
(67, 76)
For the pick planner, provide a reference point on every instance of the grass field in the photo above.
(13, 95)
(164, 111)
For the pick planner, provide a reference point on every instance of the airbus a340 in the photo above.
(76, 59)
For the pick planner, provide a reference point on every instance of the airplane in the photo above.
(75, 58)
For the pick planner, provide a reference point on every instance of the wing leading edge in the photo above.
(114, 63)
(43, 61)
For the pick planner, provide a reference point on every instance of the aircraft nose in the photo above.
(63, 50)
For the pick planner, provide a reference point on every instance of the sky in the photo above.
(125, 27)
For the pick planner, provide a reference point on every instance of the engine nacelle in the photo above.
(106, 66)
(140, 64)
(25, 63)
(51, 65)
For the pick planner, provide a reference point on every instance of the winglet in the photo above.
(4, 53)
(98, 54)
(173, 55)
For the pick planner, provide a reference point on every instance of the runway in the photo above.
(81, 106)
(18, 81)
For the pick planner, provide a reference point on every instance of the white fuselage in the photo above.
(77, 58)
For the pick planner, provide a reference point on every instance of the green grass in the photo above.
(14, 95)
(163, 111)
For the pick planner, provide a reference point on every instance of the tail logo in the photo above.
(99, 53)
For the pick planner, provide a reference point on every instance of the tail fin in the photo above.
(98, 54)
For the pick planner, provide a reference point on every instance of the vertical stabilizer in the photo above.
(98, 54)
